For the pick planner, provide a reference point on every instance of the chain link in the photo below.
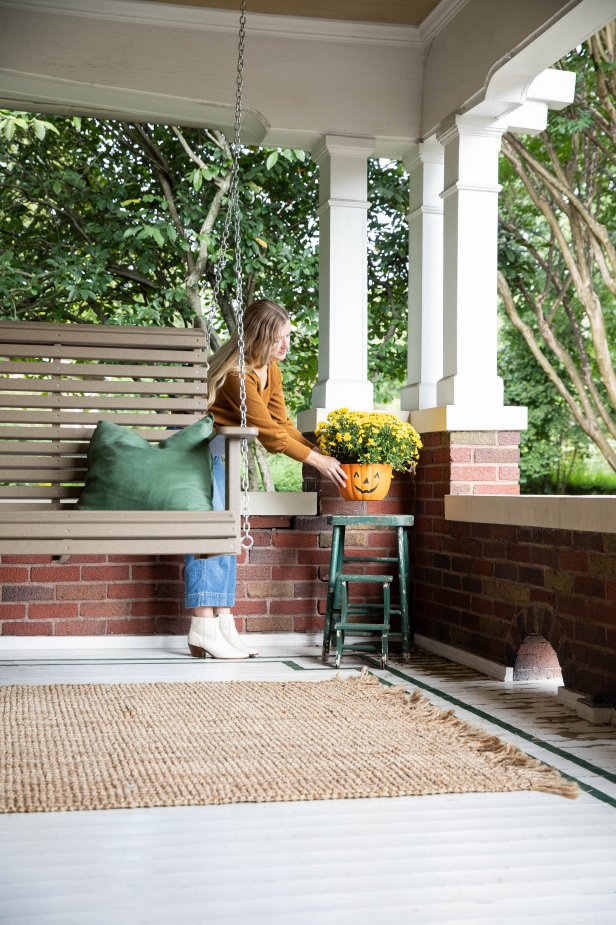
(233, 221)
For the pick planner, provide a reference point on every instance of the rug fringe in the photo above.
(546, 779)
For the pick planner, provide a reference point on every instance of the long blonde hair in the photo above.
(263, 324)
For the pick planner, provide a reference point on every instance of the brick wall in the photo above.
(480, 587)
(486, 587)
(281, 580)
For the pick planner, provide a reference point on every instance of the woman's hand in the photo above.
(327, 466)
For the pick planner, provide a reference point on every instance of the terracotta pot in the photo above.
(366, 482)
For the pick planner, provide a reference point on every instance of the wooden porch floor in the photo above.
(467, 859)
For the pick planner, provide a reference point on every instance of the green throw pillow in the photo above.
(126, 473)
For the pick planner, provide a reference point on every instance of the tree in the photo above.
(559, 284)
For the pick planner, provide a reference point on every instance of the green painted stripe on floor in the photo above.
(600, 772)
(592, 791)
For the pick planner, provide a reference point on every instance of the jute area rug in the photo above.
(104, 746)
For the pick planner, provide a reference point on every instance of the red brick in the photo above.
(610, 590)
(129, 591)
(505, 438)
(274, 556)
(270, 522)
(277, 624)
(157, 571)
(295, 572)
(13, 611)
(10, 574)
(518, 553)
(458, 454)
(294, 539)
(80, 628)
(50, 611)
(154, 608)
(82, 560)
(308, 624)
(259, 572)
(573, 560)
(499, 488)
(293, 606)
(27, 593)
(54, 573)
(509, 473)
(125, 558)
(461, 488)
(250, 608)
(80, 592)
(496, 454)
(26, 628)
(104, 609)
(24, 560)
(105, 572)
(592, 587)
(473, 473)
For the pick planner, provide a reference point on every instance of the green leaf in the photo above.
(197, 180)
(39, 129)
(9, 129)
(271, 160)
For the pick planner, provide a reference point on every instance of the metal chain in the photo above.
(233, 219)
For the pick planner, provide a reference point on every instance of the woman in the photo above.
(210, 582)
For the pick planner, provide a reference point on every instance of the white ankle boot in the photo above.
(206, 638)
(229, 631)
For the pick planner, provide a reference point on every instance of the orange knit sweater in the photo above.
(266, 411)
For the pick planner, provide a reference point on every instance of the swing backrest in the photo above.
(56, 382)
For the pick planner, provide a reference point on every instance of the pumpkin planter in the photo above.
(366, 481)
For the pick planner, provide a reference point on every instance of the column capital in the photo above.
(429, 151)
(343, 145)
(469, 125)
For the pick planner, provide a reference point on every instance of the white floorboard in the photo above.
(469, 859)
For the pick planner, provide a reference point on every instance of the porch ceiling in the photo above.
(401, 12)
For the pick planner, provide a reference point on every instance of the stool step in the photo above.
(361, 627)
(369, 579)
(370, 559)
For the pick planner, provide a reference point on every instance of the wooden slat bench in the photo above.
(56, 382)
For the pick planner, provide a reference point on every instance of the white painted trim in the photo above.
(440, 16)
(213, 20)
(456, 417)
(39, 645)
(462, 657)
(20, 86)
(604, 716)
(583, 513)
(283, 503)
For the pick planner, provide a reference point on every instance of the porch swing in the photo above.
(58, 381)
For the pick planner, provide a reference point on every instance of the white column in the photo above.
(425, 299)
(469, 394)
(470, 199)
(343, 278)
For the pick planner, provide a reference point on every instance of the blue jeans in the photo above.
(210, 582)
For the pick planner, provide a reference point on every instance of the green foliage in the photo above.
(387, 277)
(557, 213)
(286, 472)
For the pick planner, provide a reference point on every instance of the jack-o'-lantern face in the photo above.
(366, 482)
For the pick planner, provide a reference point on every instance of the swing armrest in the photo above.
(233, 464)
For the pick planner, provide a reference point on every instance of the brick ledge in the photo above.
(586, 513)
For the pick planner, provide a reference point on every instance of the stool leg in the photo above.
(403, 573)
(335, 564)
(344, 612)
(386, 617)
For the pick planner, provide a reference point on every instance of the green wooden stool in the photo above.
(343, 626)
(338, 608)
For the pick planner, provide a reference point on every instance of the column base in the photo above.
(456, 417)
